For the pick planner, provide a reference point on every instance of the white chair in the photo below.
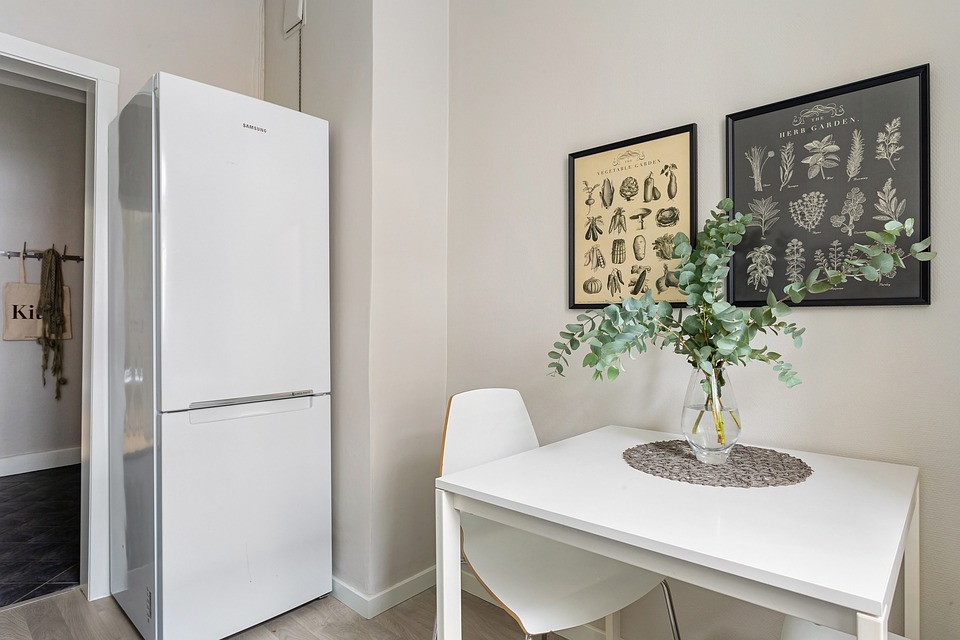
(797, 629)
(544, 585)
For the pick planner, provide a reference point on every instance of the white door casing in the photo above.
(100, 82)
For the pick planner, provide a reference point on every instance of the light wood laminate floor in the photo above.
(69, 616)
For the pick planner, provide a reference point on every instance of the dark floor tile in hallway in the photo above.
(39, 533)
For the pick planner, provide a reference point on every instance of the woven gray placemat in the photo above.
(746, 466)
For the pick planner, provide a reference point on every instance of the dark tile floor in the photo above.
(39, 533)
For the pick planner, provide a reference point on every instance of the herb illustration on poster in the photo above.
(818, 172)
(627, 201)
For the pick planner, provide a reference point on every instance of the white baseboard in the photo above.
(370, 606)
(12, 465)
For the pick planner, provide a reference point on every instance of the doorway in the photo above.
(42, 185)
(98, 83)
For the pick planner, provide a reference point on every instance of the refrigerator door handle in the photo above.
(225, 402)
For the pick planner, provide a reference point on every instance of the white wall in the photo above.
(534, 80)
(377, 71)
(42, 183)
(214, 41)
(408, 341)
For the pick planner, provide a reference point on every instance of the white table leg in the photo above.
(448, 568)
(872, 627)
(911, 574)
(612, 626)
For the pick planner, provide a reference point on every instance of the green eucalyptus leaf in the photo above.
(780, 309)
(820, 287)
(917, 247)
(883, 237)
(834, 277)
(868, 250)
(725, 345)
(882, 263)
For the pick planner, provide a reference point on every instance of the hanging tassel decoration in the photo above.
(54, 321)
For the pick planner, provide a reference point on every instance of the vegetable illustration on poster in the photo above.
(822, 171)
(626, 202)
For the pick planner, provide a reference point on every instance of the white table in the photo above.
(828, 549)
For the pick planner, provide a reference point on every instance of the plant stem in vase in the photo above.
(710, 394)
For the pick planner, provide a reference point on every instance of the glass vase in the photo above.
(710, 421)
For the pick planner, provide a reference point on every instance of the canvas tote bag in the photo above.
(21, 320)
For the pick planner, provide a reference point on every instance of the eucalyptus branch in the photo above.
(718, 333)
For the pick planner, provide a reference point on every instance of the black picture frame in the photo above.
(849, 159)
(626, 201)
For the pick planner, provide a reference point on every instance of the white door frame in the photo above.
(100, 82)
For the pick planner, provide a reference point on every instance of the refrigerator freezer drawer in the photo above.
(245, 515)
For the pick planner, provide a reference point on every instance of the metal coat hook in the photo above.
(38, 255)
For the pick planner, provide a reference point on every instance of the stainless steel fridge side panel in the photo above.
(246, 514)
(132, 357)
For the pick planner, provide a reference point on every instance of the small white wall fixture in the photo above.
(99, 82)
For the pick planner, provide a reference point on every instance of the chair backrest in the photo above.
(484, 425)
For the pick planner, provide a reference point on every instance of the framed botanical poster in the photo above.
(819, 171)
(627, 201)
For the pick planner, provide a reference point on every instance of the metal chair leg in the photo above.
(435, 621)
(670, 611)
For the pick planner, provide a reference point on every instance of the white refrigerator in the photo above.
(219, 360)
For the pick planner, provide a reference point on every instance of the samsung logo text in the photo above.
(254, 127)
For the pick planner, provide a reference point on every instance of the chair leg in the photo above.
(435, 621)
(670, 610)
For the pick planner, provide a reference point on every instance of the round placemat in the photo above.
(746, 467)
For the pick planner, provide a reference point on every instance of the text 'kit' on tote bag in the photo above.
(21, 315)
